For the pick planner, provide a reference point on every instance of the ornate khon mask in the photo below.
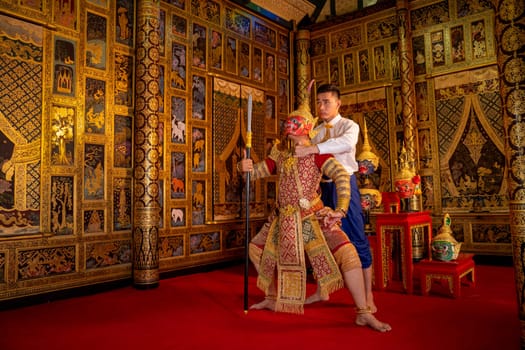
(299, 123)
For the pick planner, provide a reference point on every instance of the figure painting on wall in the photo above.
(282, 65)
(198, 93)
(198, 201)
(122, 141)
(162, 30)
(123, 80)
(65, 13)
(479, 44)
(96, 41)
(237, 23)
(320, 68)
(62, 137)
(284, 46)
(205, 242)
(178, 120)
(283, 96)
(364, 66)
(95, 106)
(216, 49)
(62, 208)
(348, 65)
(438, 48)
(422, 107)
(269, 71)
(178, 217)
(269, 114)
(425, 149)
(334, 70)
(264, 35)
(199, 46)
(178, 25)
(64, 67)
(418, 47)
(207, 10)
(398, 106)
(379, 62)
(124, 21)
(94, 172)
(257, 64)
(178, 175)
(394, 61)
(318, 46)
(231, 55)
(122, 200)
(457, 42)
(198, 139)
(244, 60)
(94, 221)
(178, 66)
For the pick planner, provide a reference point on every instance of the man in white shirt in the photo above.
(339, 136)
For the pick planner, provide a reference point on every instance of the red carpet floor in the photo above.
(205, 311)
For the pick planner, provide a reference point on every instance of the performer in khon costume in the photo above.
(302, 224)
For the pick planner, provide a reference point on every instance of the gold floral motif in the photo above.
(289, 164)
(288, 210)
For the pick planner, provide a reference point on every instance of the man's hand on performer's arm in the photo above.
(303, 151)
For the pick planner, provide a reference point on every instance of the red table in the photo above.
(463, 268)
(411, 229)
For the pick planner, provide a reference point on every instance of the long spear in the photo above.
(247, 236)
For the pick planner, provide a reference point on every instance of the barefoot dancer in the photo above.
(304, 225)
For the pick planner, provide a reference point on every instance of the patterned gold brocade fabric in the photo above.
(295, 231)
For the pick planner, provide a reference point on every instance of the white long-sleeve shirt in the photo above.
(342, 144)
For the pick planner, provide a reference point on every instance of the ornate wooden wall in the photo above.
(107, 129)
(458, 110)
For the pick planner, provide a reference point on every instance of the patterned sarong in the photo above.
(290, 236)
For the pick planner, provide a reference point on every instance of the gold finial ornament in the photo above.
(368, 160)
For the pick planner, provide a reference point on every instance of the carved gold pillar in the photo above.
(407, 83)
(510, 34)
(302, 66)
(146, 209)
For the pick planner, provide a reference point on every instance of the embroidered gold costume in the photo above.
(278, 250)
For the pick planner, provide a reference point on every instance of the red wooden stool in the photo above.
(451, 271)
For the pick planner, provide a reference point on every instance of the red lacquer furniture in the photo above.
(454, 272)
(399, 238)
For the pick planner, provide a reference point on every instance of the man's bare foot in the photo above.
(316, 297)
(265, 304)
(367, 319)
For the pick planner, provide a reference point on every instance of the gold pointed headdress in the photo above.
(304, 112)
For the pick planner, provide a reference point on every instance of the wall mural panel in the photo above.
(105, 254)
(472, 158)
(74, 84)
(229, 138)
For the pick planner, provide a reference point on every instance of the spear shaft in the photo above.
(247, 235)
